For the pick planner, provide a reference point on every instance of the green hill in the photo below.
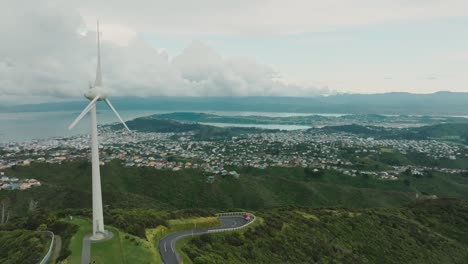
(424, 232)
(451, 131)
(201, 132)
(68, 186)
(148, 124)
(290, 200)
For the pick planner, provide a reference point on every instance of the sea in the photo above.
(25, 126)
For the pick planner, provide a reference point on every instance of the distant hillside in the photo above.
(201, 132)
(251, 119)
(147, 124)
(312, 120)
(442, 103)
(452, 132)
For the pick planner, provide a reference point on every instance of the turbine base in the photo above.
(99, 236)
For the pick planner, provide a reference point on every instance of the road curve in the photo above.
(167, 245)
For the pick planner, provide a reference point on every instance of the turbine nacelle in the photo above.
(94, 91)
(92, 105)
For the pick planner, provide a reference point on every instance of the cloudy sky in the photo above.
(232, 48)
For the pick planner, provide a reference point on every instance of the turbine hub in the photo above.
(95, 91)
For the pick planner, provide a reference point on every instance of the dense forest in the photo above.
(67, 185)
(289, 201)
(431, 231)
(22, 246)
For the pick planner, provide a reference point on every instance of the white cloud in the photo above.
(261, 16)
(45, 53)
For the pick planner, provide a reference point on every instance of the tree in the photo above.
(42, 227)
(32, 206)
(406, 182)
(5, 212)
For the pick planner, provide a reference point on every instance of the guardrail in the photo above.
(233, 228)
(47, 256)
(231, 213)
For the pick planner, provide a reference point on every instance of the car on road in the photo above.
(247, 217)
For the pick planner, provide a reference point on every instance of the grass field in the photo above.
(388, 150)
(76, 241)
(124, 248)
(191, 223)
(121, 249)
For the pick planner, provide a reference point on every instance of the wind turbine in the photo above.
(96, 92)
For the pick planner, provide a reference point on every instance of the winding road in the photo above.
(167, 245)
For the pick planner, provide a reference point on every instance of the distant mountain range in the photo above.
(441, 103)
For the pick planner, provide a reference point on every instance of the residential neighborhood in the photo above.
(13, 183)
(177, 151)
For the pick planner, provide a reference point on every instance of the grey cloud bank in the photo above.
(44, 54)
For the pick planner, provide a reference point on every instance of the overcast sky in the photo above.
(233, 48)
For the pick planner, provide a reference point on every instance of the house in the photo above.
(34, 182)
(234, 174)
(11, 186)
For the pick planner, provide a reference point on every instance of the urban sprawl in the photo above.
(176, 151)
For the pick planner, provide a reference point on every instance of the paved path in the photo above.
(57, 248)
(167, 245)
(86, 250)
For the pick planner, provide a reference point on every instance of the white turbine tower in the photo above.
(96, 93)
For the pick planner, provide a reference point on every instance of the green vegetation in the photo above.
(122, 248)
(153, 235)
(309, 119)
(201, 132)
(22, 246)
(76, 242)
(456, 132)
(192, 223)
(145, 204)
(148, 124)
(66, 186)
(390, 157)
(424, 232)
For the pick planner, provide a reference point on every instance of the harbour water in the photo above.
(22, 126)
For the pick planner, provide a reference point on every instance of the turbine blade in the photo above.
(85, 111)
(117, 114)
(98, 81)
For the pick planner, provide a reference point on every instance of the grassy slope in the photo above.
(117, 250)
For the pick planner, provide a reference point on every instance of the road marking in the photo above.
(165, 250)
(172, 247)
